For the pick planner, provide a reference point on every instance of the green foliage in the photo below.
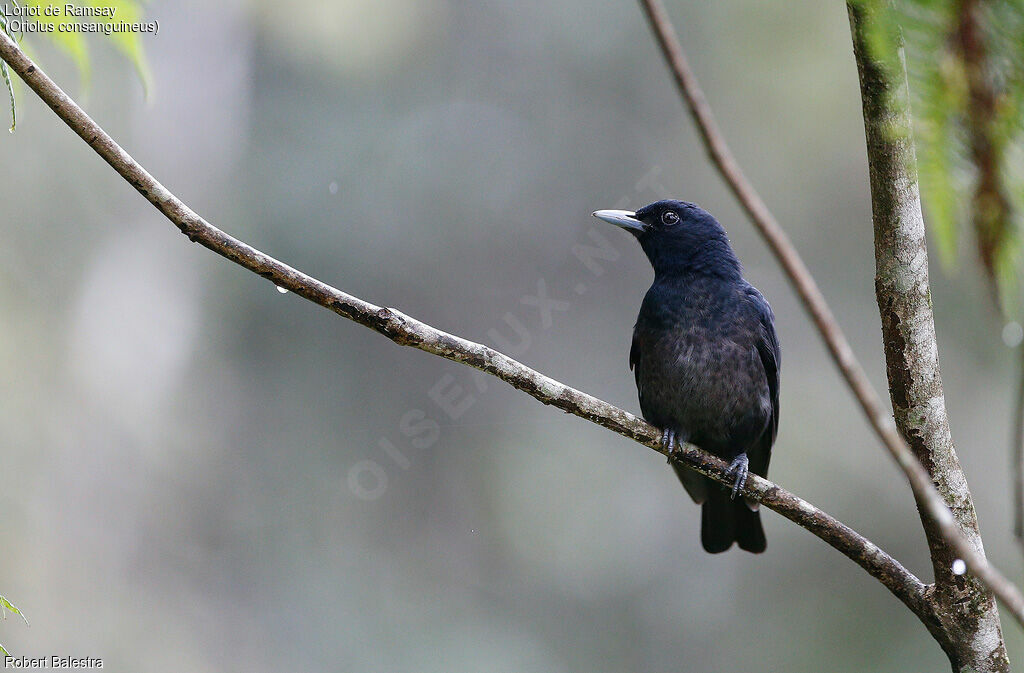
(938, 93)
(967, 97)
(5, 606)
(75, 45)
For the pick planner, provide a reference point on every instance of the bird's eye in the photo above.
(668, 218)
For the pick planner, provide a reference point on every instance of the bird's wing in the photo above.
(634, 350)
(768, 349)
(634, 363)
(636, 353)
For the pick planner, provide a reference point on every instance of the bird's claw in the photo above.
(668, 443)
(738, 467)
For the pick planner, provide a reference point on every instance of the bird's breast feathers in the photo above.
(700, 372)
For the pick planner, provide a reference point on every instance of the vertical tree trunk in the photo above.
(971, 635)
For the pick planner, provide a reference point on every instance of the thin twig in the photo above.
(407, 331)
(803, 282)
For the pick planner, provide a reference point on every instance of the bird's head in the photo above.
(678, 238)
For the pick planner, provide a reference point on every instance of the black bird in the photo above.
(706, 360)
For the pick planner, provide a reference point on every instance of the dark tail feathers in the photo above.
(724, 521)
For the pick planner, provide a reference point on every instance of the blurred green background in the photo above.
(185, 450)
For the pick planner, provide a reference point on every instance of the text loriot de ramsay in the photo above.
(55, 19)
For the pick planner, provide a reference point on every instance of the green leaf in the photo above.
(968, 126)
(10, 92)
(129, 44)
(75, 44)
(1007, 265)
(937, 159)
(72, 44)
(6, 604)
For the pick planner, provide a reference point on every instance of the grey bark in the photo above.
(965, 608)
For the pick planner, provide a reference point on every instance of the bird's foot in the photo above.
(738, 467)
(668, 443)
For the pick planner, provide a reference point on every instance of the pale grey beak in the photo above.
(621, 218)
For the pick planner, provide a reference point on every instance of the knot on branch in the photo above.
(396, 326)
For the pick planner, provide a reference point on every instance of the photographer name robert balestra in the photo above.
(53, 661)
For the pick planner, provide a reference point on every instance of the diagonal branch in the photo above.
(803, 282)
(407, 331)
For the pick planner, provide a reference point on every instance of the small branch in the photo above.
(813, 300)
(407, 331)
